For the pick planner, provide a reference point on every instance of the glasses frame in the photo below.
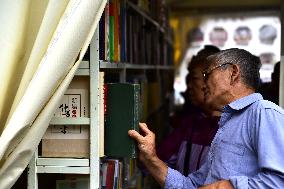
(208, 71)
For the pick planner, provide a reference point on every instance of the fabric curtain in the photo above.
(42, 45)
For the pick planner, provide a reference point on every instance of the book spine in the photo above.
(123, 33)
(107, 42)
(130, 41)
(136, 110)
(116, 30)
(111, 30)
(102, 37)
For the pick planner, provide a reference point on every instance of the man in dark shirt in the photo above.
(186, 148)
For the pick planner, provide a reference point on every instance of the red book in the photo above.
(110, 175)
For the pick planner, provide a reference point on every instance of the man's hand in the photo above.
(223, 184)
(146, 143)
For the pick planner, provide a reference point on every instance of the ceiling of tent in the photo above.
(189, 7)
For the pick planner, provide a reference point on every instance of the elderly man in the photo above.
(248, 149)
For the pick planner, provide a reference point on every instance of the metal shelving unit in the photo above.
(40, 165)
(109, 65)
(89, 166)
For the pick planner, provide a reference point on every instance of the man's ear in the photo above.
(235, 73)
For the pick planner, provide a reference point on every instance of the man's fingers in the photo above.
(144, 128)
(135, 135)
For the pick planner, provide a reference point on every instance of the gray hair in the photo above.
(249, 64)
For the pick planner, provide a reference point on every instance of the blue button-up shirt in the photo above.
(248, 148)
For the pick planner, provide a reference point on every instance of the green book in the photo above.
(122, 114)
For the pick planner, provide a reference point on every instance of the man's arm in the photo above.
(165, 176)
(146, 145)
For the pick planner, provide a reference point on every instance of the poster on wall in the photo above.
(242, 35)
(260, 35)
(218, 36)
(267, 34)
(267, 58)
(195, 37)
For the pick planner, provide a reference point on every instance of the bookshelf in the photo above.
(84, 166)
(129, 66)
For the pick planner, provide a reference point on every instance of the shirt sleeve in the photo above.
(268, 139)
(176, 180)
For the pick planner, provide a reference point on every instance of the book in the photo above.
(111, 30)
(122, 114)
(102, 53)
(111, 174)
(123, 31)
(116, 12)
(106, 33)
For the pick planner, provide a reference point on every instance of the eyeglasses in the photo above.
(207, 72)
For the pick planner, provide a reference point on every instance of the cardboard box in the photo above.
(69, 140)
(74, 143)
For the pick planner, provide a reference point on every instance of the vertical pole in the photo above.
(94, 112)
(281, 79)
(32, 172)
(122, 75)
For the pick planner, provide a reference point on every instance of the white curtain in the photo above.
(42, 44)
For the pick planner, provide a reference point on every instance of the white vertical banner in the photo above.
(32, 110)
(281, 79)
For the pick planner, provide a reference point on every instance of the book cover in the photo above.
(74, 104)
(122, 114)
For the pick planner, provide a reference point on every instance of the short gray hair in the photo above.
(249, 64)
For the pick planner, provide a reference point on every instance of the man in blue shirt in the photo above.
(248, 149)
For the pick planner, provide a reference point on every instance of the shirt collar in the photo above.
(243, 102)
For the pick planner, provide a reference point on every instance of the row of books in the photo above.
(157, 9)
(114, 174)
(126, 36)
(120, 174)
(111, 174)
